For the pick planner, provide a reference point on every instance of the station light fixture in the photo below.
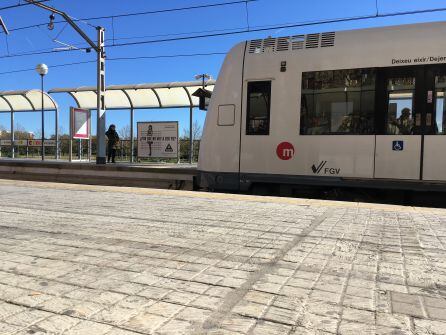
(42, 69)
(51, 24)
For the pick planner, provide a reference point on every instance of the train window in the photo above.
(259, 105)
(338, 102)
(400, 111)
(440, 106)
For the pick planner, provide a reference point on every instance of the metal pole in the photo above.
(43, 123)
(132, 140)
(100, 135)
(191, 140)
(70, 142)
(70, 150)
(12, 134)
(99, 48)
(89, 150)
(57, 134)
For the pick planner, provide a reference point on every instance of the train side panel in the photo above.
(283, 154)
(220, 145)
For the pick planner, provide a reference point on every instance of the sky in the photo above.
(231, 17)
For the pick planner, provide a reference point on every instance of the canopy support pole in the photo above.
(191, 133)
(57, 132)
(100, 92)
(12, 134)
(132, 136)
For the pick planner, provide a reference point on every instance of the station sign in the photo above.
(80, 123)
(158, 139)
(29, 143)
(38, 143)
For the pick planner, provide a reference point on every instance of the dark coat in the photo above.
(113, 138)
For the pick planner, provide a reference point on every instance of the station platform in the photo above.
(103, 260)
(154, 175)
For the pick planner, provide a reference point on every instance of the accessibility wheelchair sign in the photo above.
(398, 145)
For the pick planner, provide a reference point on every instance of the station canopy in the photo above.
(141, 96)
(25, 101)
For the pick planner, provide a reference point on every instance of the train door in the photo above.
(434, 146)
(398, 150)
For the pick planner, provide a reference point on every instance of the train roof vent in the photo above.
(283, 44)
(297, 42)
(269, 44)
(328, 39)
(255, 46)
(312, 41)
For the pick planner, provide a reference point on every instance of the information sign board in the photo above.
(80, 123)
(38, 143)
(158, 139)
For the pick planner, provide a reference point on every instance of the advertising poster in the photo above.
(80, 123)
(158, 139)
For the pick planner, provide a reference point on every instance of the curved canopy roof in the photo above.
(25, 101)
(142, 96)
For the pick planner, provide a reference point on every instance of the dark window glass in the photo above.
(338, 102)
(259, 105)
(400, 110)
(439, 120)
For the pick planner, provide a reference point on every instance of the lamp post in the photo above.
(42, 70)
(100, 50)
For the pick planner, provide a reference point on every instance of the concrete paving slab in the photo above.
(78, 259)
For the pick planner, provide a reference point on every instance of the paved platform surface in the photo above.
(104, 260)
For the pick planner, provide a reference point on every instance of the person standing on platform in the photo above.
(113, 140)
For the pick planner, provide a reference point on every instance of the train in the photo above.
(359, 108)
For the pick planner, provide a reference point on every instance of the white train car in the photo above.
(353, 108)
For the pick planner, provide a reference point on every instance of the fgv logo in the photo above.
(285, 151)
(326, 170)
(398, 145)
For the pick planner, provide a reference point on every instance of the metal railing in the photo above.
(123, 151)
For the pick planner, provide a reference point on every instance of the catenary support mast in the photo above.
(100, 50)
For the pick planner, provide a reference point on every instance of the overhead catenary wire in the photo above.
(21, 5)
(167, 10)
(247, 15)
(238, 32)
(120, 59)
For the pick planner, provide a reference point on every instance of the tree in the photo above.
(124, 132)
(20, 132)
(3, 132)
(197, 132)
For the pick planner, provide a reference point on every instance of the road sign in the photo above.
(158, 139)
